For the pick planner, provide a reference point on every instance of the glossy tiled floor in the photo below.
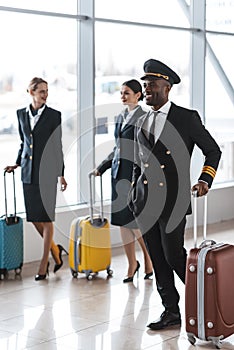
(63, 313)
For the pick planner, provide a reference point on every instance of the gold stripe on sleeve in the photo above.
(209, 170)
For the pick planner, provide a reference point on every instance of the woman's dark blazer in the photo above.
(120, 160)
(161, 174)
(40, 155)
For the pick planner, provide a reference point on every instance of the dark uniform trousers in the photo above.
(167, 253)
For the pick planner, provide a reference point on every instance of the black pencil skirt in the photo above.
(40, 202)
(120, 213)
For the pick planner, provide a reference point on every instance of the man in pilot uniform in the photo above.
(161, 191)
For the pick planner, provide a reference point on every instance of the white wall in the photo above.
(220, 208)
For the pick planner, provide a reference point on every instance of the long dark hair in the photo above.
(135, 86)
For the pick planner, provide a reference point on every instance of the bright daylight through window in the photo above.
(47, 44)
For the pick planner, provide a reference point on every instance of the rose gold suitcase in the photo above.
(209, 288)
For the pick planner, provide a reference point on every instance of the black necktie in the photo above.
(152, 129)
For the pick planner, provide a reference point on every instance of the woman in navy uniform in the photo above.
(160, 195)
(120, 160)
(41, 160)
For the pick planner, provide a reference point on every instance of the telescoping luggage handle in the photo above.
(194, 193)
(13, 219)
(91, 197)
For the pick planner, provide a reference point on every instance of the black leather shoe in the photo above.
(167, 319)
(58, 266)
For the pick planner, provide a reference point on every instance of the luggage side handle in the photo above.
(205, 242)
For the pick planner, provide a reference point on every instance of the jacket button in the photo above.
(162, 166)
(30, 157)
(161, 184)
(118, 161)
(30, 146)
(168, 152)
(145, 182)
(146, 165)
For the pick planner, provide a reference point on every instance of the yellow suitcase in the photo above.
(90, 243)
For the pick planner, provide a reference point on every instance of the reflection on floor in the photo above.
(64, 313)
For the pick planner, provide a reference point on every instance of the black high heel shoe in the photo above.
(58, 266)
(148, 275)
(130, 279)
(43, 277)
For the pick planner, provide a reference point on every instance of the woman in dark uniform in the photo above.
(120, 160)
(41, 160)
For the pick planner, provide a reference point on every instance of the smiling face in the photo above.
(156, 92)
(128, 96)
(39, 95)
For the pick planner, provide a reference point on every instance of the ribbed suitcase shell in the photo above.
(11, 245)
(89, 246)
(209, 293)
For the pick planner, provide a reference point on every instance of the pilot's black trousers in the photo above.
(168, 254)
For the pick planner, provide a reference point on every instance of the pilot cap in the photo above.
(158, 70)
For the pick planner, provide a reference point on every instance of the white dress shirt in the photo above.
(34, 119)
(160, 120)
(128, 116)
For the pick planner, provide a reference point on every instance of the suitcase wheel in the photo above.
(89, 277)
(74, 273)
(191, 339)
(217, 344)
(110, 272)
(18, 271)
(3, 274)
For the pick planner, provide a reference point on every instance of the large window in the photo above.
(219, 95)
(85, 49)
(164, 12)
(35, 45)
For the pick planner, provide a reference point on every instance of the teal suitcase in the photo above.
(11, 239)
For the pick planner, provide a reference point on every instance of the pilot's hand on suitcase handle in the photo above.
(201, 189)
(10, 168)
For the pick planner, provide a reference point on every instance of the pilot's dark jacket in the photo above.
(161, 173)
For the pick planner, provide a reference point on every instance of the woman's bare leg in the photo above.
(47, 234)
(147, 260)
(128, 239)
(54, 248)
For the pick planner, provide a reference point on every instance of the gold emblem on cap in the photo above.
(158, 75)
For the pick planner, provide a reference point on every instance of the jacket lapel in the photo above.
(27, 121)
(41, 120)
(133, 120)
(142, 132)
(118, 125)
